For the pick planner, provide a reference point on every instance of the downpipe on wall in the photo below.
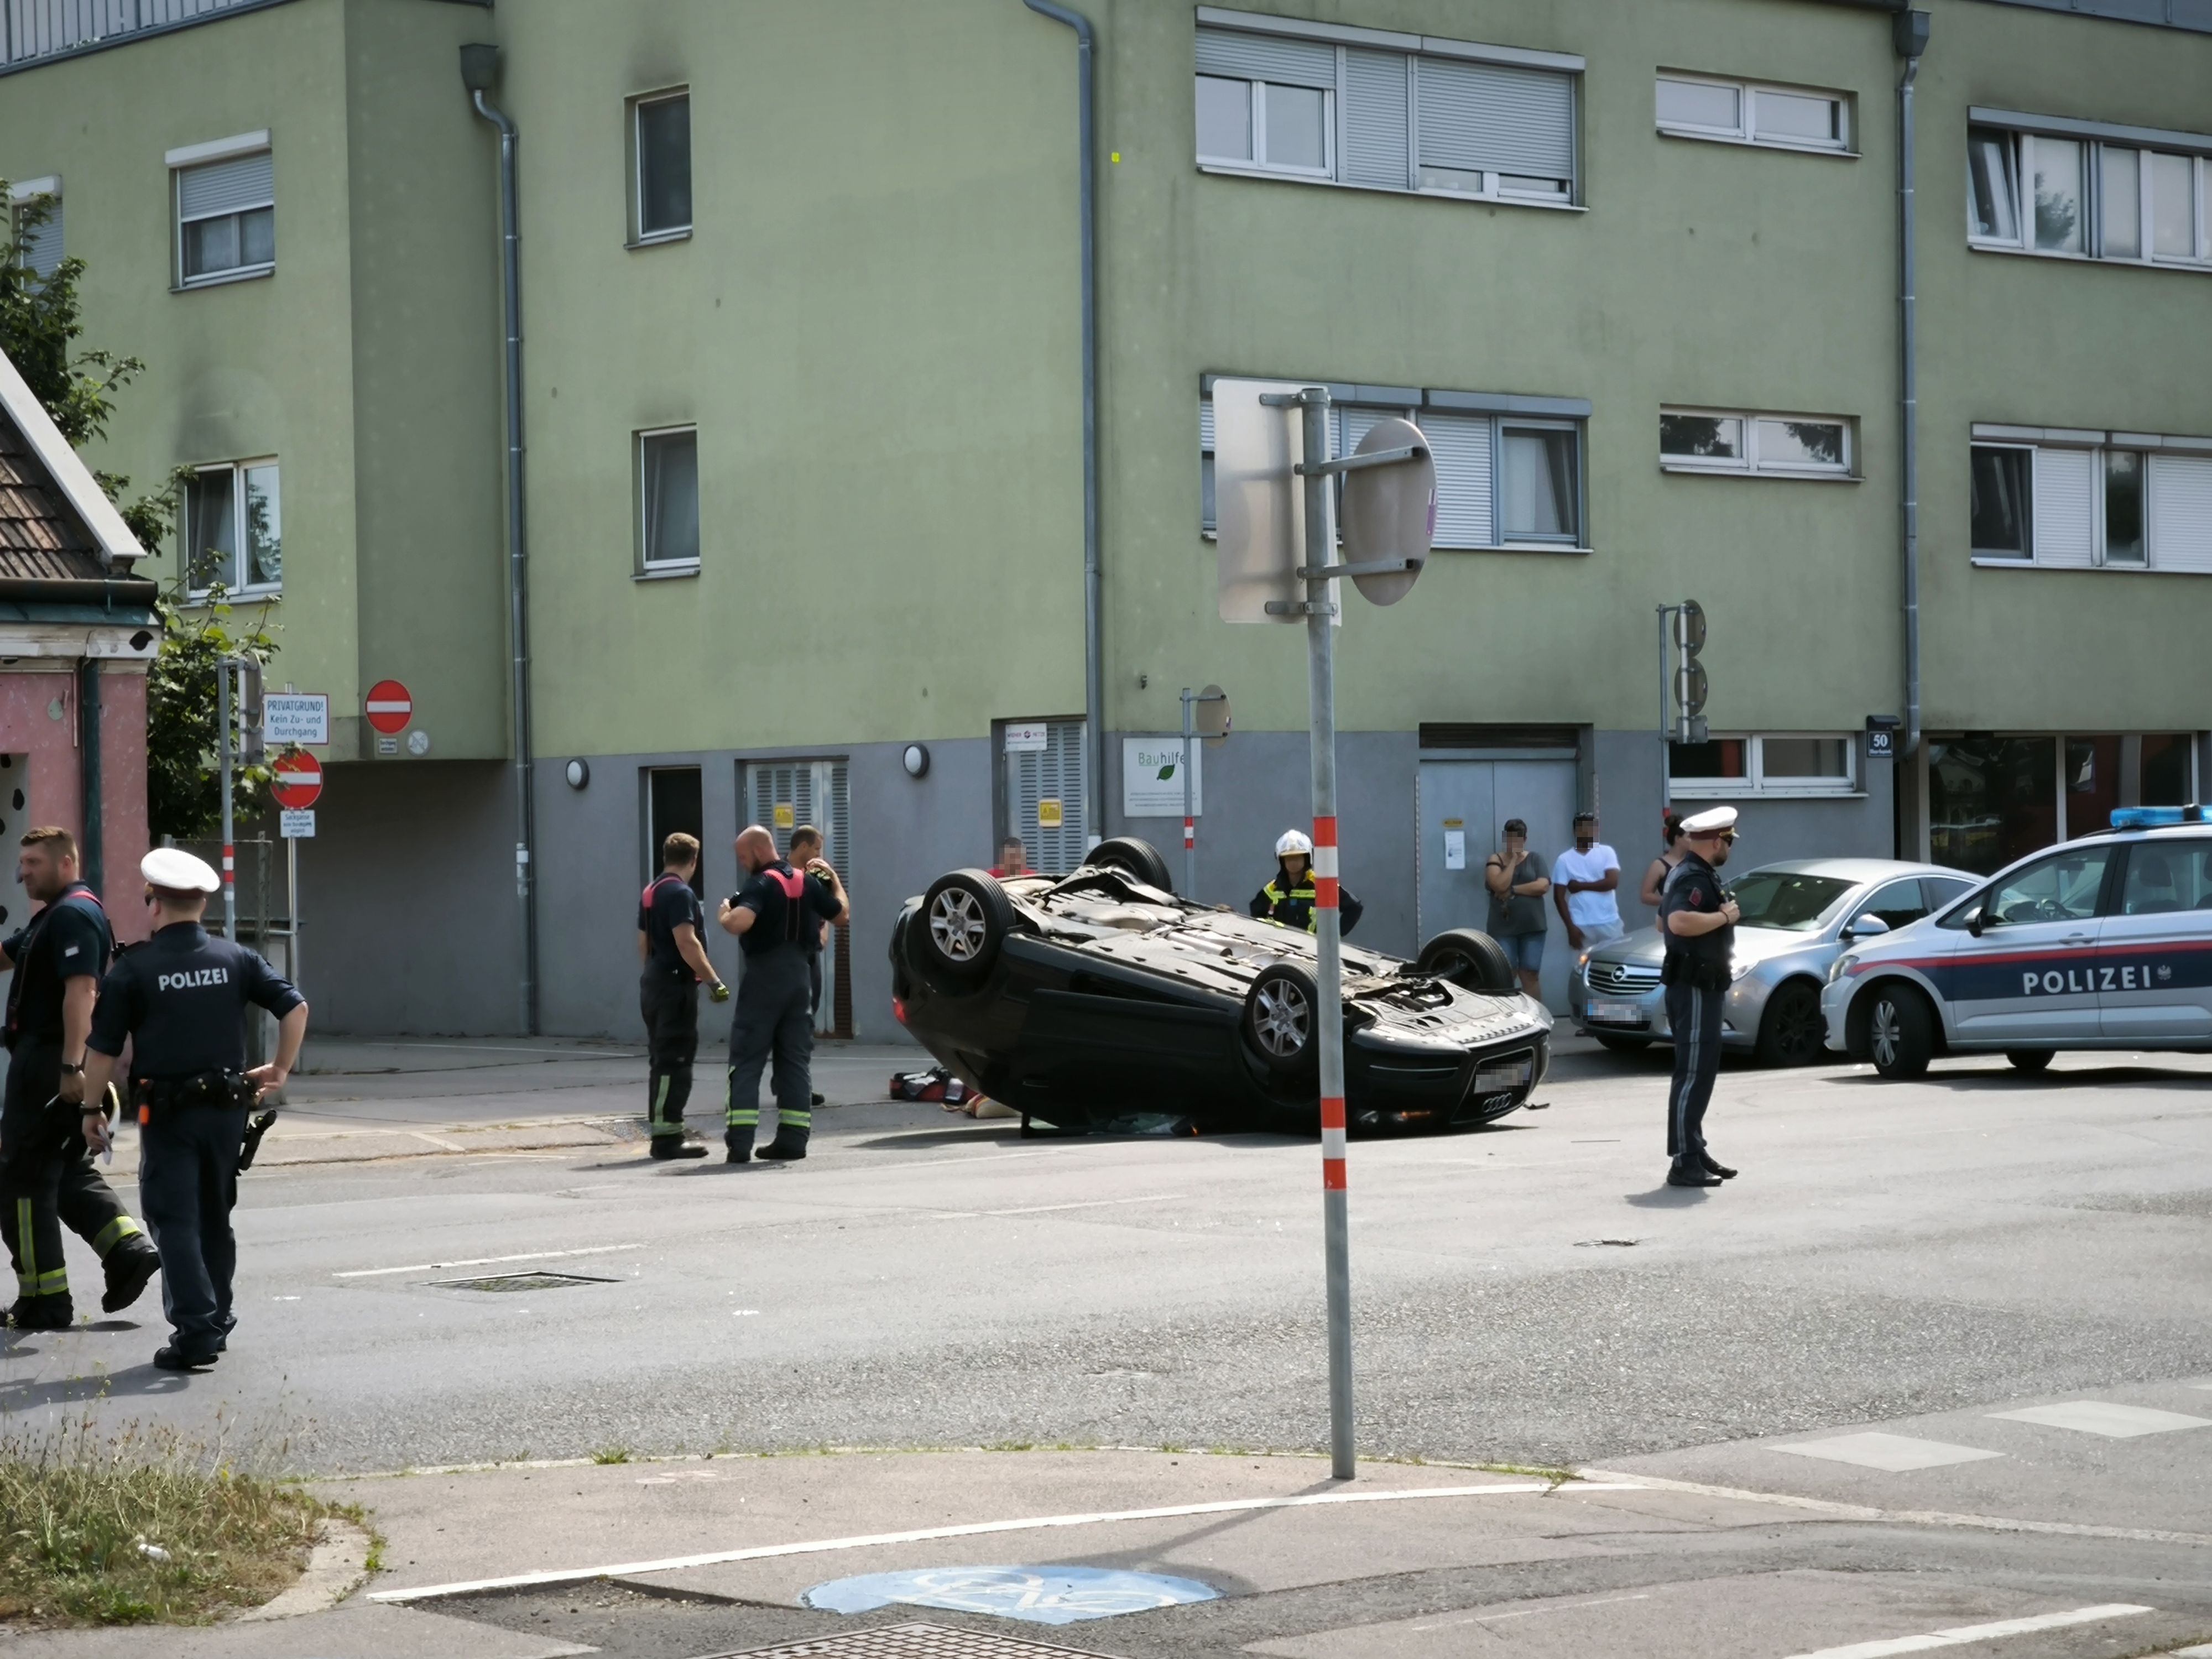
(1909, 31)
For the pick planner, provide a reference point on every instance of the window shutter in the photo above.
(42, 247)
(1266, 57)
(2065, 496)
(1206, 424)
(1461, 447)
(247, 181)
(1496, 118)
(1052, 772)
(1375, 119)
(2180, 512)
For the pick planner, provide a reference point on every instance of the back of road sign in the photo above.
(1390, 512)
(1259, 503)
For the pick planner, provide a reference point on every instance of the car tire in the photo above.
(1279, 1023)
(1470, 959)
(1621, 1045)
(955, 938)
(1901, 1031)
(1133, 857)
(2031, 1062)
(1792, 1032)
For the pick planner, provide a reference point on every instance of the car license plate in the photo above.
(1616, 1013)
(1503, 1074)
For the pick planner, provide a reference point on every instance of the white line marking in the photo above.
(482, 1260)
(1961, 1633)
(1088, 1204)
(766, 1552)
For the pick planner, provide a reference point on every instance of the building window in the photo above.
(661, 143)
(1315, 102)
(668, 501)
(2084, 197)
(1784, 446)
(1748, 112)
(1777, 764)
(2063, 500)
(226, 213)
(233, 529)
(35, 222)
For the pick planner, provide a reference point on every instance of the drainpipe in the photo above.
(89, 865)
(1909, 30)
(1094, 670)
(479, 67)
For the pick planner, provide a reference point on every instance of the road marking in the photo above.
(1526, 1613)
(1047, 1209)
(1897, 1453)
(927, 1534)
(1958, 1634)
(483, 1260)
(2101, 1417)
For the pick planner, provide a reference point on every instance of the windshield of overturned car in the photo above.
(1779, 898)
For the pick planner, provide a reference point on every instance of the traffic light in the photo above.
(1690, 683)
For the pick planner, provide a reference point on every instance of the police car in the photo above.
(2102, 943)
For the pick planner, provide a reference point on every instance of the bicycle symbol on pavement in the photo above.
(1041, 1596)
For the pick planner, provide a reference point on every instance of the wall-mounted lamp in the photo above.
(915, 760)
(579, 774)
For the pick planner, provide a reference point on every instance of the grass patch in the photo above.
(612, 1455)
(139, 1526)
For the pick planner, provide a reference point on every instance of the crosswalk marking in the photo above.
(1895, 1453)
(2102, 1417)
(1962, 1634)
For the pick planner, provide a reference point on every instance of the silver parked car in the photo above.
(1797, 917)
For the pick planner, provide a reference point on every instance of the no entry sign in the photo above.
(389, 706)
(299, 781)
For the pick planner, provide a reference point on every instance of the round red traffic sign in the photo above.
(389, 706)
(299, 781)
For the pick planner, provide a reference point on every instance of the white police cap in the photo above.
(178, 870)
(1711, 822)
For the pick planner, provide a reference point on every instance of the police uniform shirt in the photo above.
(183, 995)
(763, 894)
(1694, 887)
(670, 903)
(67, 940)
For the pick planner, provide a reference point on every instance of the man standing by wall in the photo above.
(1518, 880)
(771, 916)
(1585, 879)
(669, 922)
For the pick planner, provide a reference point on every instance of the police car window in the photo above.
(1781, 898)
(1896, 904)
(2167, 875)
(2062, 888)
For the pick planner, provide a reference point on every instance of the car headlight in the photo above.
(1842, 965)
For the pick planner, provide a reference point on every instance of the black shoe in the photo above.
(129, 1273)
(1715, 1167)
(777, 1152)
(667, 1146)
(42, 1313)
(821, 1100)
(169, 1360)
(1683, 1175)
(733, 1156)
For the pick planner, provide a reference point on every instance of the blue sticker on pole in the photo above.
(1040, 1596)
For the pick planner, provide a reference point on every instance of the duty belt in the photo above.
(202, 1089)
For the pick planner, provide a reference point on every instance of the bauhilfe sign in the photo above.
(1151, 778)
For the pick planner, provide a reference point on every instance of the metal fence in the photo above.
(34, 29)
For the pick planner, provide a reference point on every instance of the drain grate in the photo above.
(520, 1282)
(911, 1641)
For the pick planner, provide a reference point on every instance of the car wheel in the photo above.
(955, 938)
(1792, 1032)
(1621, 1045)
(1138, 857)
(2029, 1061)
(1470, 959)
(1900, 1032)
(1278, 1019)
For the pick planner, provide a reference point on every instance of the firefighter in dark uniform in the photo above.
(1698, 921)
(771, 915)
(673, 948)
(1289, 898)
(47, 1180)
(180, 1001)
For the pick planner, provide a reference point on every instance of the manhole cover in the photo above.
(1038, 1596)
(911, 1641)
(520, 1282)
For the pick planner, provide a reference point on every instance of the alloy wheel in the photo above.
(955, 923)
(1882, 1032)
(1281, 1016)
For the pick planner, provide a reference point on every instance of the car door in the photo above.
(2029, 976)
(2155, 958)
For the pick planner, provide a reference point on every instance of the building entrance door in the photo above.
(1460, 807)
(781, 796)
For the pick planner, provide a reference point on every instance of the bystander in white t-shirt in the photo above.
(1589, 911)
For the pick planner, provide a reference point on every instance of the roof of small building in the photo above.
(56, 523)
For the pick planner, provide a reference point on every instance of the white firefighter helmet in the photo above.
(1294, 841)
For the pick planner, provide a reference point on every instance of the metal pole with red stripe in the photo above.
(223, 669)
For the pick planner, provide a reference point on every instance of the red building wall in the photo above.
(40, 730)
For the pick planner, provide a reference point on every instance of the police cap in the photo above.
(1713, 821)
(178, 870)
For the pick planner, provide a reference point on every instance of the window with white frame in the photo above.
(1731, 111)
(233, 529)
(668, 501)
(1765, 763)
(2078, 500)
(1384, 111)
(34, 222)
(226, 203)
(660, 147)
(2119, 194)
(1743, 441)
(1510, 470)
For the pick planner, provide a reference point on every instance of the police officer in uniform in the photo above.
(1698, 922)
(772, 915)
(669, 925)
(181, 998)
(47, 1180)
(1289, 898)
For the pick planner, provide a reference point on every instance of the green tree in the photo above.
(41, 325)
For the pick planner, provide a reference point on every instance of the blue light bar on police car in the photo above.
(2153, 817)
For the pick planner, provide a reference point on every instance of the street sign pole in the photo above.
(229, 862)
(1666, 682)
(292, 904)
(1190, 817)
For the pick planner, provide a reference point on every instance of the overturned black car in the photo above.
(1082, 999)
